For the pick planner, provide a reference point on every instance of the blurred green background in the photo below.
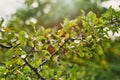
(51, 13)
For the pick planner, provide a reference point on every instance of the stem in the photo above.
(46, 60)
(33, 68)
(5, 46)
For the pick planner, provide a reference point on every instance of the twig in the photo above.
(28, 53)
(33, 68)
(33, 48)
(16, 45)
(5, 46)
(46, 60)
(8, 46)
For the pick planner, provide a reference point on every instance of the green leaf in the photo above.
(84, 23)
(2, 41)
(1, 22)
(91, 17)
(19, 51)
(2, 69)
(41, 38)
(22, 37)
(10, 52)
(10, 36)
(82, 54)
(69, 23)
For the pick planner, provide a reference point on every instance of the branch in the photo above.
(5, 46)
(46, 60)
(33, 68)
(8, 46)
(33, 48)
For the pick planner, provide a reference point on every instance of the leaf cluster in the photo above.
(78, 50)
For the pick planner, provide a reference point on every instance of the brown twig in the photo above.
(46, 60)
(33, 68)
(33, 48)
(52, 54)
(5, 46)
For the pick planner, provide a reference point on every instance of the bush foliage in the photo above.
(80, 50)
